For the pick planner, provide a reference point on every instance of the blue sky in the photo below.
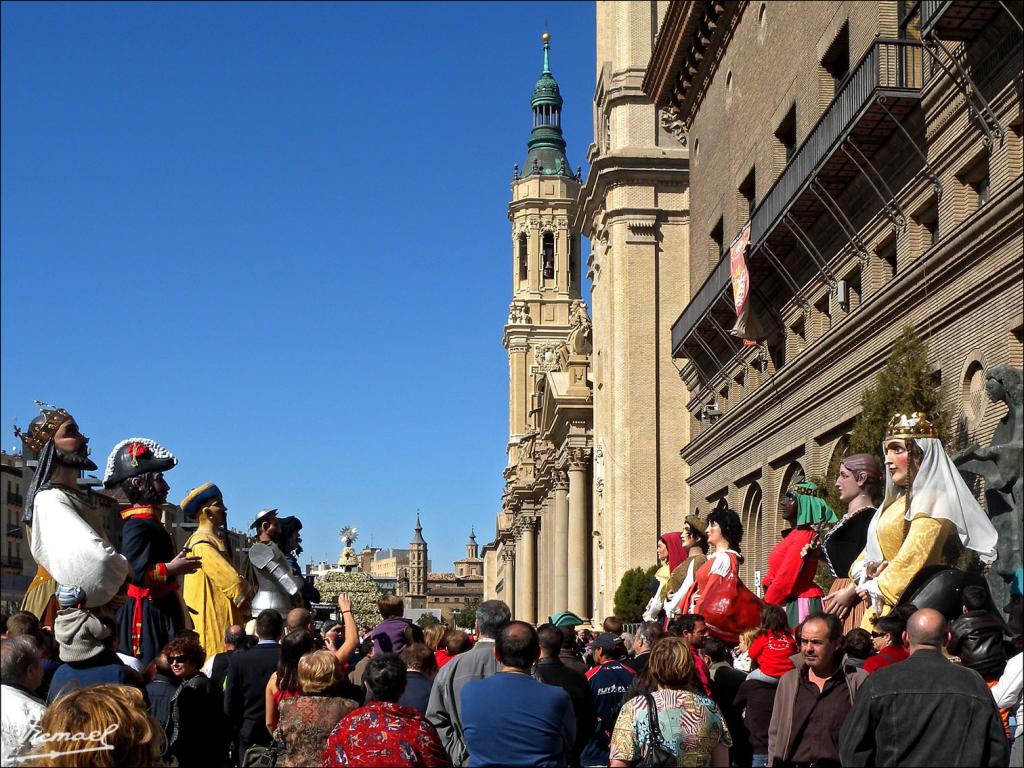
(273, 237)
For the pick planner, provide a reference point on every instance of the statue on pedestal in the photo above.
(348, 559)
(999, 464)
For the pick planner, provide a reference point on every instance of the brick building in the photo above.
(874, 151)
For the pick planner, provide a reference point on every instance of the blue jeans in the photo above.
(759, 761)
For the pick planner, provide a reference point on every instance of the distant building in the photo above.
(449, 593)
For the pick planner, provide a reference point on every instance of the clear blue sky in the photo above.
(274, 239)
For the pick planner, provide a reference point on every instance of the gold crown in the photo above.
(904, 426)
(40, 432)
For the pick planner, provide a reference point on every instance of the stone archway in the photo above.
(752, 517)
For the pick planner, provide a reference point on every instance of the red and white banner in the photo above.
(746, 327)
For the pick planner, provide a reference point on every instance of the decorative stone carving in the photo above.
(670, 122)
(560, 480)
(999, 464)
(581, 337)
(579, 457)
(519, 313)
(546, 356)
(599, 469)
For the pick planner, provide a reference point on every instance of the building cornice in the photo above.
(653, 164)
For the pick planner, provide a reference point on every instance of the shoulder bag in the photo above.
(657, 753)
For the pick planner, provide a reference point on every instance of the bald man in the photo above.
(925, 710)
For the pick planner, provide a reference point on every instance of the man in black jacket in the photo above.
(725, 685)
(246, 685)
(549, 669)
(977, 636)
(925, 710)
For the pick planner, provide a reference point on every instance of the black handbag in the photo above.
(259, 756)
(656, 754)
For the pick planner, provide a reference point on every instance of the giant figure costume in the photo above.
(217, 593)
(914, 524)
(153, 612)
(277, 587)
(793, 561)
(66, 547)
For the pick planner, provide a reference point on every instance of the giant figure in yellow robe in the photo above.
(217, 594)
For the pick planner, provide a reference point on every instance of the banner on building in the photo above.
(747, 327)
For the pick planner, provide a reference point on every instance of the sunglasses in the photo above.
(876, 635)
(177, 659)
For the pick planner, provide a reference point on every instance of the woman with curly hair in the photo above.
(196, 712)
(717, 593)
(88, 716)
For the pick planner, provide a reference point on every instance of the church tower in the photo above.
(545, 258)
(418, 564)
(546, 307)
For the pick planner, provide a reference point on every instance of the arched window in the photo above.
(523, 262)
(752, 544)
(548, 256)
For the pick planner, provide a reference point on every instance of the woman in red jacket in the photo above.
(793, 562)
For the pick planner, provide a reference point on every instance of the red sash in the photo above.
(140, 594)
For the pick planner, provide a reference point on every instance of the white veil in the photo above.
(939, 492)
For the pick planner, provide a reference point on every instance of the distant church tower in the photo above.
(545, 301)
(471, 548)
(418, 563)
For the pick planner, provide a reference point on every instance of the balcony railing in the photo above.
(889, 68)
(961, 19)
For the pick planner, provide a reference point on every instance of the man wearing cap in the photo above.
(216, 594)
(279, 589)
(608, 682)
(153, 612)
(566, 622)
(66, 548)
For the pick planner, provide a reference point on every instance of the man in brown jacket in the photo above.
(814, 699)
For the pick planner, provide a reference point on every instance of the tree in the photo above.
(906, 384)
(466, 618)
(427, 620)
(633, 593)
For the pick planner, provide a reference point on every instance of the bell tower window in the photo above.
(548, 256)
(523, 262)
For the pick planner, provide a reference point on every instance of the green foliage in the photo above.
(904, 385)
(633, 593)
(427, 620)
(466, 618)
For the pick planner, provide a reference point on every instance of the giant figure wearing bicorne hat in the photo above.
(154, 611)
(278, 588)
(66, 548)
(217, 594)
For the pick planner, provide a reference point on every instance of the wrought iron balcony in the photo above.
(957, 19)
(880, 91)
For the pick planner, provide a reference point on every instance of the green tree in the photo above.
(427, 620)
(466, 617)
(633, 593)
(906, 384)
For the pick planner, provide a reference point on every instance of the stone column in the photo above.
(560, 549)
(508, 554)
(527, 572)
(578, 531)
(518, 571)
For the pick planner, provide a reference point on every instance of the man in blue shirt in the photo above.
(608, 683)
(511, 719)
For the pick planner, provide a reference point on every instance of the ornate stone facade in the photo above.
(539, 560)
(634, 208)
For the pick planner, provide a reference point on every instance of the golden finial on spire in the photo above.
(545, 37)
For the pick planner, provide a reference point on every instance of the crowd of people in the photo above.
(149, 656)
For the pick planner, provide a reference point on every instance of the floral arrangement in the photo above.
(363, 591)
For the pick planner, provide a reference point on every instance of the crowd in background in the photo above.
(509, 693)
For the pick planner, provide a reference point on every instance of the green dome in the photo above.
(546, 147)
